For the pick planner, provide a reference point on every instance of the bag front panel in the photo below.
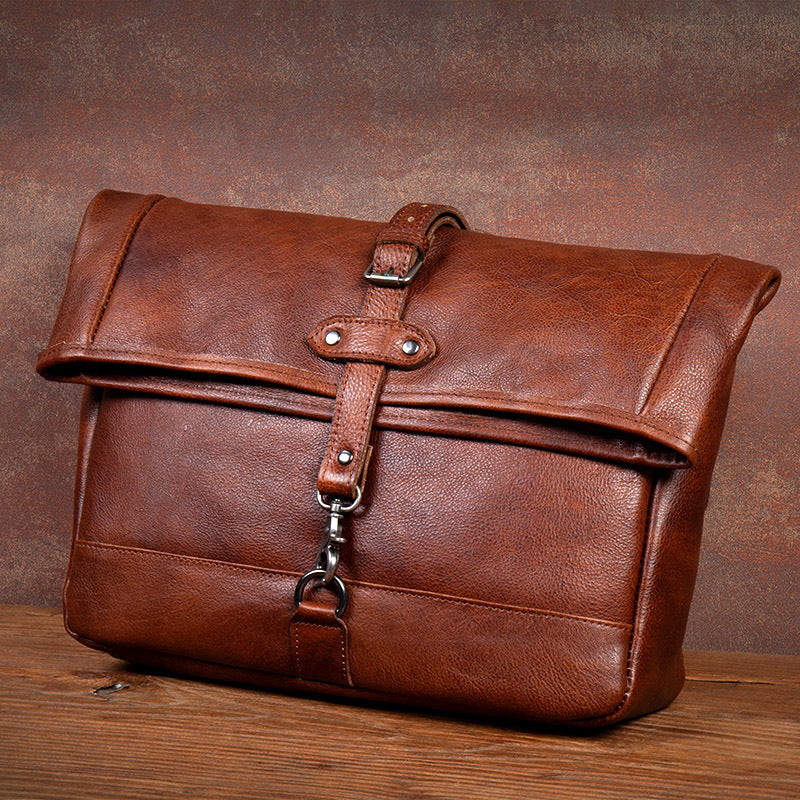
(198, 518)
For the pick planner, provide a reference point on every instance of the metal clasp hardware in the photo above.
(324, 572)
(317, 574)
(391, 279)
(328, 556)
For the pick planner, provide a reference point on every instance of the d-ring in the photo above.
(344, 509)
(319, 574)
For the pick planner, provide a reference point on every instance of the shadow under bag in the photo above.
(405, 462)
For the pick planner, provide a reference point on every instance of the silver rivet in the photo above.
(332, 337)
(410, 347)
(411, 219)
(345, 457)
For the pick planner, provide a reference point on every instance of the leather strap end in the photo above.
(404, 242)
(320, 646)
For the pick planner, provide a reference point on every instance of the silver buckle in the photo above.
(391, 279)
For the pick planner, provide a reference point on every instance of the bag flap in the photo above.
(610, 353)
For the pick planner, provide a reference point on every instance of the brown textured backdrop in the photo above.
(658, 126)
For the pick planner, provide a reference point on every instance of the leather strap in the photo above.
(319, 636)
(320, 644)
(400, 248)
(413, 226)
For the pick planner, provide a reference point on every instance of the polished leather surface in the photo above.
(529, 532)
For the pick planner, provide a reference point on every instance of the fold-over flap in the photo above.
(630, 350)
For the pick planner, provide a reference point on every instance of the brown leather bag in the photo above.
(516, 441)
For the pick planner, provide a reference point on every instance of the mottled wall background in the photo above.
(646, 125)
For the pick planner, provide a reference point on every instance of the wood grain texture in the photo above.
(734, 732)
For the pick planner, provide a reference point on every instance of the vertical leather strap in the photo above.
(320, 645)
(400, 251)
(319, 636)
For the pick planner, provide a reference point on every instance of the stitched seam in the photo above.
(340, 633)
(119, 258)
(365, 419)
(634, 627)
(298, 662)
(636, 617)
(333, 444)
(327, 387)
(226, 565)
(369, 322)
(517, 611)
(361, 586)
(713, 261)
(379, 321)
(383, 358)
(365, 416)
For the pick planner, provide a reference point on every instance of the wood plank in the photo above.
(734, 732)
(743, 667)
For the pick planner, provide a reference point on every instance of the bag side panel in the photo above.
(732, 295)
(90, 410)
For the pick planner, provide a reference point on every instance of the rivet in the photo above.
(345, 457)
(410, 347)
(333, 337)
(411, 219)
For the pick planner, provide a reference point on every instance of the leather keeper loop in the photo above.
(381, 341)
(416, 223)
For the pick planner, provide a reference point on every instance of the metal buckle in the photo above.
(391, 279)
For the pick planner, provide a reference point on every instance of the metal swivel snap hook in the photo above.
(328, 556)
(324, 572)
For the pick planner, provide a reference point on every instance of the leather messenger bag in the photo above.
(406, 462)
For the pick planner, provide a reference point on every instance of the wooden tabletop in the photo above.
(734, 732)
